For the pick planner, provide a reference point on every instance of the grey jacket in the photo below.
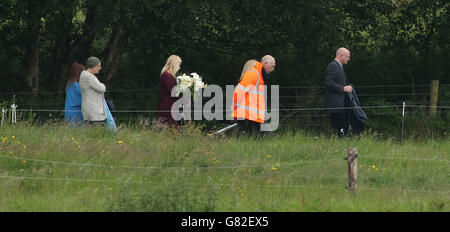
(92, 97)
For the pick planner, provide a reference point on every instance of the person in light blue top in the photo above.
(72, 109)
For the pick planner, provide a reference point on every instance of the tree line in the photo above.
(391, 41)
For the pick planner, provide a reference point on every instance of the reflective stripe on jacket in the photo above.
(248, 97)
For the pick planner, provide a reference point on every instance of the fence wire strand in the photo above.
(226, 111)
(282, 164)
(223, 184)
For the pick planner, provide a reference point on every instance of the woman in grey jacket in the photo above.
(92, 92)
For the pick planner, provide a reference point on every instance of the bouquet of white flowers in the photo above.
(192, 84)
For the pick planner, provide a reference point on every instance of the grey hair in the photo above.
(267, 58)
(92, 62)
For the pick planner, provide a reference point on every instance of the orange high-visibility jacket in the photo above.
(248, 98)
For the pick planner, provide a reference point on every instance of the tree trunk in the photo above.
(31, 66)
(114, 52)
(62, 48)
(79, 51)
(426, 46)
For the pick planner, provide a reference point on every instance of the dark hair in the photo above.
(73, 75)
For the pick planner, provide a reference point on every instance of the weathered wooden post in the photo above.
(403, 121)
(14, 113)
(3, 115)
(352, 168)
(434, 93)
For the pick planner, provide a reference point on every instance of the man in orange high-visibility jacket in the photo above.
(249, 104)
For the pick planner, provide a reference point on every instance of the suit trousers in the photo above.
(340, 121)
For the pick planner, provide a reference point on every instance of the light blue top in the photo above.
(110, 123)
(72, 112)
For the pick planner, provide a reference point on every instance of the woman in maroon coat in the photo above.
(167, 82)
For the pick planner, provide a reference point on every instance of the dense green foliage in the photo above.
(398, 45)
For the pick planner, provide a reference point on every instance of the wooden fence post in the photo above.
(434, 93)
(352, 168)
(14, 113)
(3, 115)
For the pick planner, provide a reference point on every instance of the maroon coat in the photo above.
(166, 83)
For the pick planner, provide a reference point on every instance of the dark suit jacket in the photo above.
(335, 80)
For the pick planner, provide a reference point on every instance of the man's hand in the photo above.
(348, 89)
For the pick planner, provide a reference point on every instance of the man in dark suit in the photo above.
(336, 87)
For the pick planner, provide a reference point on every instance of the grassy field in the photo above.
(56, 168)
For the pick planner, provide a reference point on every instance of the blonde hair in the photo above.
(172, 65)
(247, 66)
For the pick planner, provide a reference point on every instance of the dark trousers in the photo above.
(339, 122)
(248, 127)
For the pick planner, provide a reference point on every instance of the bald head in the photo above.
(343, 55)
(268, 63)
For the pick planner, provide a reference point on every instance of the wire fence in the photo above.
(281, 87)
(129, 181)
(133, 106)
(301, 162)
(313, 117)
(128, 99)
(224, 184)
(229, 111)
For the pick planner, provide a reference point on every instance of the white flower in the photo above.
(199, 85)
(196, 76)
(187, 84)
(184, 80)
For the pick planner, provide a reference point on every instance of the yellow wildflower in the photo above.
(274, 168)
(120, 142)
(13, 137)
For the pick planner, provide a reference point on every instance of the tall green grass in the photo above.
(53, 167)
